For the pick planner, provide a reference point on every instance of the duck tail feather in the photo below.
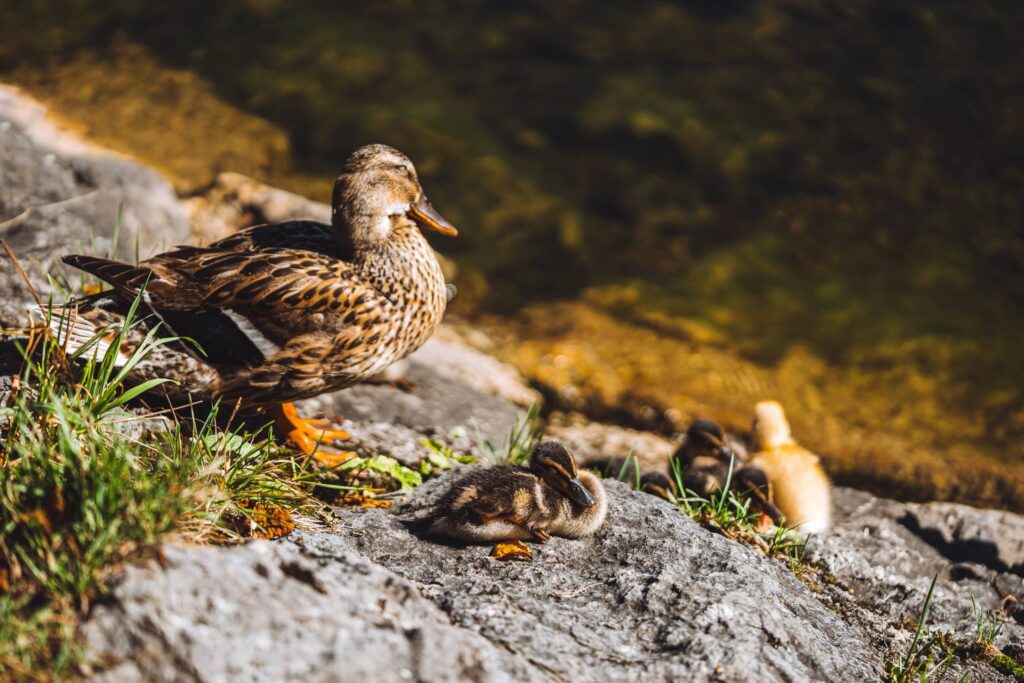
(78, 335)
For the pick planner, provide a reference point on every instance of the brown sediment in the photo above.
(587, 360)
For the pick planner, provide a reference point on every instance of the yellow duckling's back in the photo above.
(800, 487)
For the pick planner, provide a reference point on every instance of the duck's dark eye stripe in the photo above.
(558, 466)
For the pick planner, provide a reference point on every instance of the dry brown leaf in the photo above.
(359, 499)
(512, 550)
(267, 521)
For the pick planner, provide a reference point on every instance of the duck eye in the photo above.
(404, 169)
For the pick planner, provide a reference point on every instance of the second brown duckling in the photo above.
(510, 502)
(704, 460)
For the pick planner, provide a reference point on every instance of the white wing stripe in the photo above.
(245, 326)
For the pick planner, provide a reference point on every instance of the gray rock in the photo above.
(402, 443)
(993, 538)
(60, 195)
(279, 612)
(437, 404)
(598, 442)
(886, 553)
(452, 357)
(651, 596)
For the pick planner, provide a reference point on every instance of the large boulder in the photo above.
(279, 612)
(883, 555)
(651, 596)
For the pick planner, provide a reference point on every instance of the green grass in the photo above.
(729, 513)
(81, 490)
(522, 438)
(1008, 665)
(987, 625)
(33, 633)
(929, 655)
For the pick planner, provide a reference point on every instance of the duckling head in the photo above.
(555, 465)
(704, 438)
(752, 482)
(771, 428)
(378, 193)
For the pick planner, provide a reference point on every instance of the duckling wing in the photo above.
(488, 503)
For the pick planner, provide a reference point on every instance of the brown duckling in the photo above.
(704, 459)
(800, 487)
(659, 484)
(285, 311)
(510, 502)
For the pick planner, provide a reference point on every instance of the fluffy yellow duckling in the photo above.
(800, 487)
(510, 502)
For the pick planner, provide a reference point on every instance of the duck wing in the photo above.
(301, 235)
(281, 312)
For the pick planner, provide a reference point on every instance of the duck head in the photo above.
(704, 438)
(377, 193)
(555, 465)
(771, 428)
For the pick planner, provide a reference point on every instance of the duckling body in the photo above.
(510, 502)
(800, 487)
(286, 311)
(705, 458)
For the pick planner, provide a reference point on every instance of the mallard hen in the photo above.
(286, 311)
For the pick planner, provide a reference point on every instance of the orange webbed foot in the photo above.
(308, 436)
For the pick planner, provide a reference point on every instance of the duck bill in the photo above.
(427, 217)
(580, 495)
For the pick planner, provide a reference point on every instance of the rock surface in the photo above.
(60, 195)
(438, 401)
(652, 596)
(594, 442)
(886, 553)
(280, 612)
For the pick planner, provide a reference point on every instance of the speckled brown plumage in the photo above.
(509, 502)
(291, 310)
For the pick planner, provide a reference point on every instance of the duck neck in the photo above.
(405, 270)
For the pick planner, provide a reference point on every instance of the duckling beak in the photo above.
(579, 493)
(767, 506)
(427, 216)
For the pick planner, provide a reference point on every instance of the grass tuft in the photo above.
(730, 514)
(83, 486)
(519, 443)
(929, 655)
(987, 625)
